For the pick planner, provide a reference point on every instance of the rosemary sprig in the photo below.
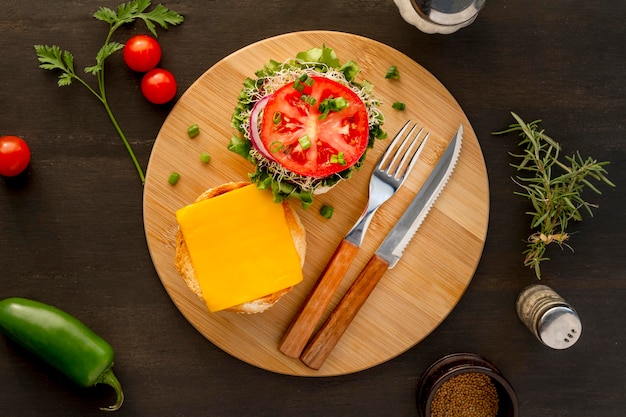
(53, 58)
(553, 187)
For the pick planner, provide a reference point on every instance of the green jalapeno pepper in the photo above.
(61, 341)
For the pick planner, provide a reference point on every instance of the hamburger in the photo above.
(236, 263)
(305, 124)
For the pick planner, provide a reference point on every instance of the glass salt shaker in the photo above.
(439, 16)
(548, 316)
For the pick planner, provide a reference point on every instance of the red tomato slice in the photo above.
(332, 143)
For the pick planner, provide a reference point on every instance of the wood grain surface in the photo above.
(414, 297)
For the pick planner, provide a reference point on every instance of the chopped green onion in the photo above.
(305, 142)
(310, 100)
(302, 81)
(398, 105)
(338, 159)
(174, 177)
(340, 103)
(193, 130)
(277, 117)
(205, 157)
(392, 73)
(332, 104)
(276, 146)
(327, 211)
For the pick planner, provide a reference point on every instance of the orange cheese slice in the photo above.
(240, 247)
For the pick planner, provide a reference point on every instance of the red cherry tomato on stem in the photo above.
(142, 53)
(158, 86)
(14, 156)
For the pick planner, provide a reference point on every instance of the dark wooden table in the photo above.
(72, 232)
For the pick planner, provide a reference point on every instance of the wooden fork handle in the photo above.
(302, 327)
(339, 320)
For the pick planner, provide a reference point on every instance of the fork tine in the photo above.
(395, 167)
(392, 145)
(400, 150)
(403, 168)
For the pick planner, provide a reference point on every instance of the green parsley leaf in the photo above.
(53, 58)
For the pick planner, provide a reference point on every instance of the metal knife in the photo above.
(386, 257)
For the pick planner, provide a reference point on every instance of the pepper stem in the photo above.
(110, 379)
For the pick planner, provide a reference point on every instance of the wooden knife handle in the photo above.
(302, 327)
(331, 331)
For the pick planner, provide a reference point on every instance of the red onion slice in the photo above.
(255, 136)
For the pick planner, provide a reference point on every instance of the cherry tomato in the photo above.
(158, 86)
(308, 141)
(14, 156)
(142, 53)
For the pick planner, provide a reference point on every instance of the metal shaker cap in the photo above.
(559, 327)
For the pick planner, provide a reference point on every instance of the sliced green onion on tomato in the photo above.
(302, 82)
(305, 142)
(338, 159)
(308, 99)
(332, 105)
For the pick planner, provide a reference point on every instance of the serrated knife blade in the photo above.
(386, 257)
(399, 237)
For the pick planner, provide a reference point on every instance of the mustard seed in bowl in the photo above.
(470, 394)
(465, 385)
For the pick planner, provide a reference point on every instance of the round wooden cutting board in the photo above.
(414, 297)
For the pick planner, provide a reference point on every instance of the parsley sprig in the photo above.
(53, 58)
(553, 187)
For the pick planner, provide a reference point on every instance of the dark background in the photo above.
(71, 231)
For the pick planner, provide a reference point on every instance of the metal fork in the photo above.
(390, 172)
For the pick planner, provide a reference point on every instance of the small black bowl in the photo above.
(460, 363)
